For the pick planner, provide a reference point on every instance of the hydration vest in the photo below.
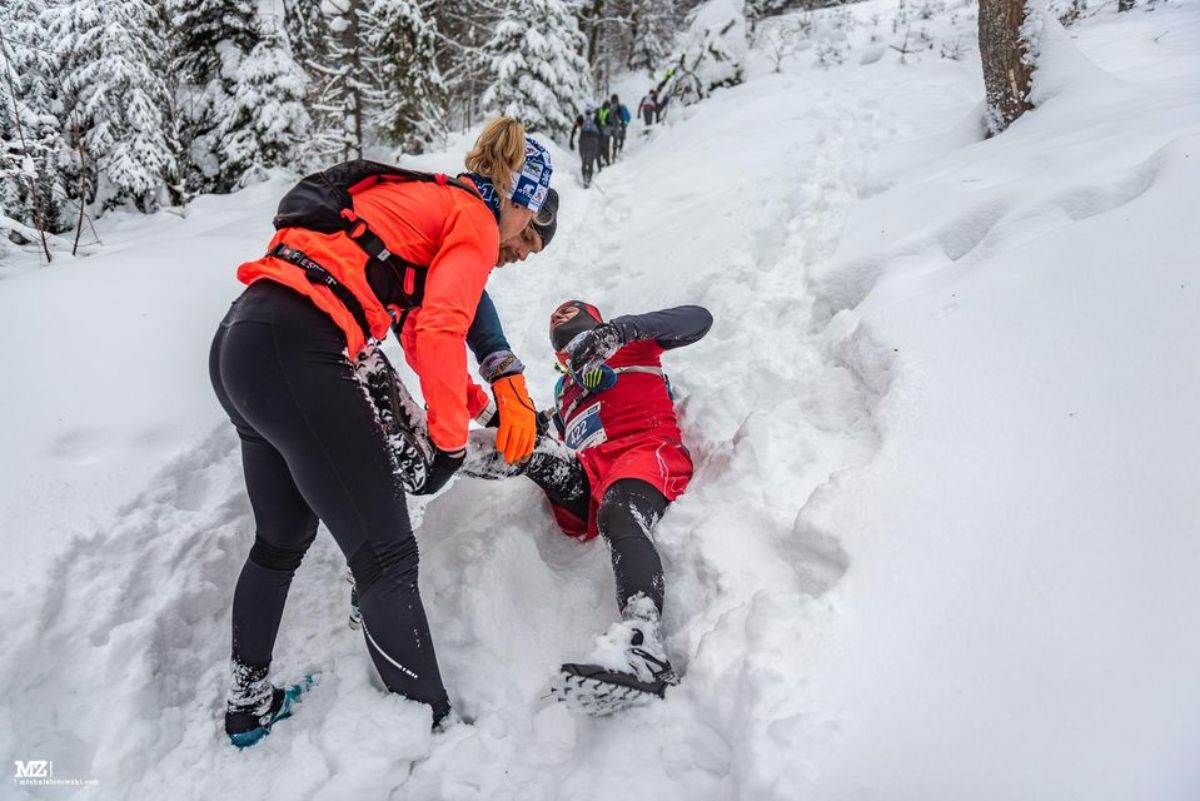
(562, 412)
(324, 202)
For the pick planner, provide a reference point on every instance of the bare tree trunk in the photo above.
(82, 185)
(590, 15)
(635, 27)
(352, 41)
(1005, 71)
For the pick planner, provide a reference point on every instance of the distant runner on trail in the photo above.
(588, 126)
(621, 120)
(623, 463)
(648, 107)
(604, 117)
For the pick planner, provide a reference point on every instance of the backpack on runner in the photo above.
(323, 201)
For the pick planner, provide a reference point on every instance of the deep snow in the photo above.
(941, 540)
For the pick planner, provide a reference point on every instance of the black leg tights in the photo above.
(313, 446)
(628, 512)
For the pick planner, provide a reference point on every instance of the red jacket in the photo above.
(628, 431)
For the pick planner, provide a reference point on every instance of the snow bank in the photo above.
(1023, 553)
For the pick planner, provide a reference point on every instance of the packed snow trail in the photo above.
(742, 569)
(772, 410)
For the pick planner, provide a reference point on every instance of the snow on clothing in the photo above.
(313, 444)
(629, 430)
(624, 516)
(313, 448)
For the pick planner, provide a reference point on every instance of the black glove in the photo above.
(443, 466)
(589, 350)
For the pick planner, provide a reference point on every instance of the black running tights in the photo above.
(628, 512)
(312, 448)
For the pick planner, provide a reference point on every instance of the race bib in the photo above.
(586, 430)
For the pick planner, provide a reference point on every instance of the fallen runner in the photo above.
(616, 465)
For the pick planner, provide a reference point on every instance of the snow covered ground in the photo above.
(942, 538)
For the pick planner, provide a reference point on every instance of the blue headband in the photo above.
(532, 184)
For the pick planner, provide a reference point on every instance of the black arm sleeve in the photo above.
(670, 328)
(486, 336)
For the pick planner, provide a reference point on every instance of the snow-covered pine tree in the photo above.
(311, 37)
(761, 9)
(307, 29)
(373, 76)
(653, 26)
(210, 39)
(205, 31)
(462, 28)
(607, 27)
(589, 17)
(114, 79)
(538, 72)
(711, 54)
(35, 163)
(408, 99)
(342, 108)
(265, 121)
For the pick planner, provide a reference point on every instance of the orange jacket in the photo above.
(423, 223)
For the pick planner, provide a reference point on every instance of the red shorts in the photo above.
(661, 461)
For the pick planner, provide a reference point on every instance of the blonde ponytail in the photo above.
(499, 152)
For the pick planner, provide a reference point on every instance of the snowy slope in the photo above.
(941, 539)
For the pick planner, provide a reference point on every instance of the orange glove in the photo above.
(518, 418)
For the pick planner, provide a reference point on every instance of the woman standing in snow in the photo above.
(626, 462)
(362, 248)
